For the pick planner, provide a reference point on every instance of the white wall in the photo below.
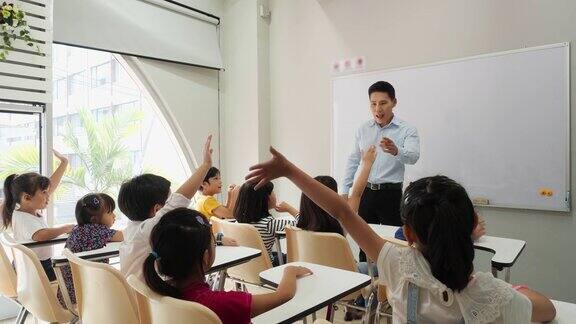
(244, 90)
(306, 36)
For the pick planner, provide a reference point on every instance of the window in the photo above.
(76, 82)
(110, 131)
(60, 91)
(19, 144)
(100, 74)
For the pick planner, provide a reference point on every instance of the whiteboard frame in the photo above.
(567, 191)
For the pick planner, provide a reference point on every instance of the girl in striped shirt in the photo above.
(253, 207)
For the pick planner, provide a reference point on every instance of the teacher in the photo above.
(397, 144)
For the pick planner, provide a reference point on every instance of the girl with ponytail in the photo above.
(183, 250)
(25, 196)
(432, 280)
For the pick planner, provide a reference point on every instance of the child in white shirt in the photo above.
(432, 281)
(25, 196)
(144, 200)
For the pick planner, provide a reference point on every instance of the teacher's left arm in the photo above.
(409, 153)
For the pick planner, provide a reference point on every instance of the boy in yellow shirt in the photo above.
(207, 204)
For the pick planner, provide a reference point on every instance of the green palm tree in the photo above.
(104, 157)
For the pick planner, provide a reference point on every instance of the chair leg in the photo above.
(238, 286)
(368, 314)
(314, 317)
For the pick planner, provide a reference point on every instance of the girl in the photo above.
(95, 217)
(312, 217)
(185, 227)
(207, 203)
(437, 267)
(25, 196)
(253, 207)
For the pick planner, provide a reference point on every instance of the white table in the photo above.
(506, 251)
(57, 240)
(226, 257)
(324, 287)
(565, 313)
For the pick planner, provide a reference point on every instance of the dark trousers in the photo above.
(47, 265)
(380, 207)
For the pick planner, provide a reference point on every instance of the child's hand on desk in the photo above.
(228, 241)
(297, 271)
(479, 230)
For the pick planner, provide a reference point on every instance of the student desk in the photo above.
(565, 313)
(226, 257)
(58, 240)
(506, 251)
(324, 287)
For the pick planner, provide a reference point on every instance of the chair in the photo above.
(33, 288)
(327, 249)
(291, 244)
(102, 293)
(247, 235)
(156, 309)
(8, 283)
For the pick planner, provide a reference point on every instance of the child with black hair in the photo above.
(253, 207)
(95, 217)
(207, 204)
(25, 196)
(432, 280)
(183, 227)
(144, 200)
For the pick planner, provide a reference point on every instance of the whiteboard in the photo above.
(497, 123)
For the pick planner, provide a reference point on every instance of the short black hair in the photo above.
(212, 172)
(383, 86)
(138, 195)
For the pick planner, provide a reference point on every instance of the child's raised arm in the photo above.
(368, 158)
(189, 188)
(323, 196)
(58, 173)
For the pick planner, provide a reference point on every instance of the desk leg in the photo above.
(221, 280)
(330, 313)
(279, 251)
(507, 275)
(64, 290)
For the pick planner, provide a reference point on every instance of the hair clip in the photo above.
(200, 220)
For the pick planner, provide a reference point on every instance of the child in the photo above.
(95, 217)
(207, 203)
(437, 268)
(312, 217)
(25, 196)
(253, 207)
(144, 200)
(183, 227)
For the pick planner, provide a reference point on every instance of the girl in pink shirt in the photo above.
(184, 249)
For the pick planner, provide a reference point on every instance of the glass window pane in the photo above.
(109, 128)
(19, 144)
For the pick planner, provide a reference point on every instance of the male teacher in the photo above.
(397, 144)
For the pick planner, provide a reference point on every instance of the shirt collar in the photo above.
(393, 121)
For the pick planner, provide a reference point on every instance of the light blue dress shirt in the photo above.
(387, 168)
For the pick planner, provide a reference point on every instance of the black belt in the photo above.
(384, 186)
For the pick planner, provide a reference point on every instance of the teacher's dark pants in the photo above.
(381, 206)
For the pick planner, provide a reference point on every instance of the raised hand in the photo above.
(369, 155)
(262, 173)
(207, 152)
